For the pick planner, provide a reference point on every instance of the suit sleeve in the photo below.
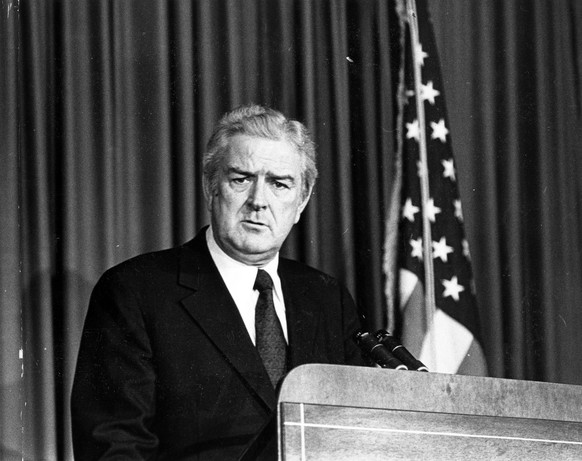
(113, 397)
(351, 324)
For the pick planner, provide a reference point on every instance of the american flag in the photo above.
(430, 284)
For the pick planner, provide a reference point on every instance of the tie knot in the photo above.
(263, 281)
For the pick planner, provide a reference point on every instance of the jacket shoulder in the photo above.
(150, 260)
(152, 266)
(301, 272)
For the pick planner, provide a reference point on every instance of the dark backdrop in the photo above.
(107, 106)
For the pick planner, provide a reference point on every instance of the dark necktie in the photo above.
(270, 339)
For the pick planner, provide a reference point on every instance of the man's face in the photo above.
(257, 199)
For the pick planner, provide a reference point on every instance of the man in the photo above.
(182, 349)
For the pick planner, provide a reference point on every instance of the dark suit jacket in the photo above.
(166, 368)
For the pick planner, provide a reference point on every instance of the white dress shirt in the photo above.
(240, 279)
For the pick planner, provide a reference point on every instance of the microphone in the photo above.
(370, 345)
(400, 352)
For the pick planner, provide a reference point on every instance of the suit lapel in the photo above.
(214, 310)
(303, 316)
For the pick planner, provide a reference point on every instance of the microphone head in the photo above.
(394, 345)
(371, 347)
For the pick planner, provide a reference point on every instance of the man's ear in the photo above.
(303, 204)
(208, 192)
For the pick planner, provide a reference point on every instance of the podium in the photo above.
(333, 412)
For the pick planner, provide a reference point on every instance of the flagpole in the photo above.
(430, 301)
(390, 265)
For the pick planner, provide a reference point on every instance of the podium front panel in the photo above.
(322, 432)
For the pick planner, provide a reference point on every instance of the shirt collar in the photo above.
(229, 267)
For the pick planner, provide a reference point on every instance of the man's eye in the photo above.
(239, 180)
(280, 185)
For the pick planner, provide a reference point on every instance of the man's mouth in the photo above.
(254, 223)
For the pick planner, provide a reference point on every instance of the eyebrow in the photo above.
(278, 177)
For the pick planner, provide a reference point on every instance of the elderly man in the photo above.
(183, 349)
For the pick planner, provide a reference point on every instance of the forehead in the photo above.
(262, 155)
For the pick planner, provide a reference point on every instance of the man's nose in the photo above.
(257, 198)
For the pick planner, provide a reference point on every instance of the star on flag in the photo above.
(441, 250)
(409, 210)
(452, 288)
(407, 95)
(416, 245)
(466, 251)
(420, 55)
(449, 169)
(432, 210)
(439, 130)
(428, 93)
(413, 130)
(458, 210)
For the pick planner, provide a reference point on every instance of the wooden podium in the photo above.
(330, 412)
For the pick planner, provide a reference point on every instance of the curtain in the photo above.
(11, 383)
(512, 74)
(107, 106)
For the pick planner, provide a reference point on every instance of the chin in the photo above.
(258, 246)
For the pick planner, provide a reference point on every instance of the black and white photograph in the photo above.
(287, 230)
